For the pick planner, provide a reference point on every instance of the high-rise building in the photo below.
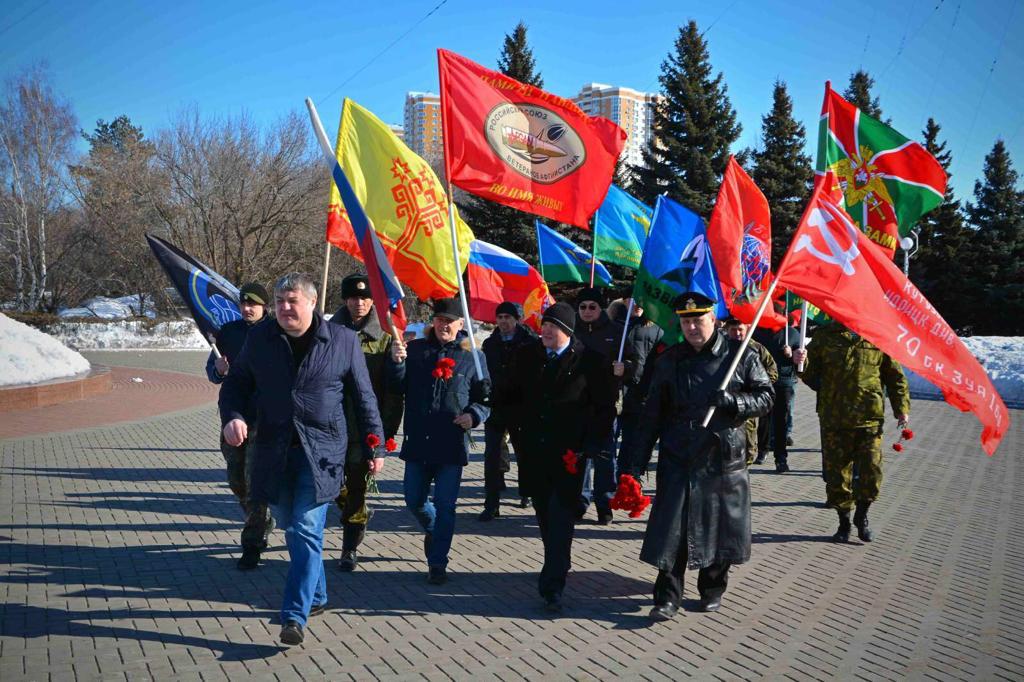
(398, 130)
(423, 124)
(631, 109)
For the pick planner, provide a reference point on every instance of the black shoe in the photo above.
(428, 540)
(291, 633)
(789, 441)
(437, 575)
(581, 511)
(843, 534)
(711, 604)
(348, 562)
(250, 560)
(553, 603)
(781, 467)
(524, 502)
(760, 458)
(604, 518)
(860, 519)
(317, 609)
(664, 612)
(489, 514)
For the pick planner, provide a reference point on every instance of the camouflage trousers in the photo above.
(750, 430)
(355, 513)
(258, 521)
(841, 450)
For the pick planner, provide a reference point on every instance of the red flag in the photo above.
(520, 146)
(740, 237)
(833, 265)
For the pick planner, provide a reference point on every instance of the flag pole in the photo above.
(625, 328)
(787, 318)
(593, 251)
(540, 254)
(462, 288)
(803, 332)
(323, 283)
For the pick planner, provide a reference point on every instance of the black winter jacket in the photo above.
(500, 355)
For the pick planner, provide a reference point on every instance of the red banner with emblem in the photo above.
(521, 146)
(832, 264)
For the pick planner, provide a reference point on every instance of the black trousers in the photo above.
(496, 457)
(556, 517)
(784, 393)
(711, 580)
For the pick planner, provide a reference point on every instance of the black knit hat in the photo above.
(253, 291)
(449, 308)
(563, 315)
(507, 308)
(355, 286)
(595, 294)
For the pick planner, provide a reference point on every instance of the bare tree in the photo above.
(37, 130)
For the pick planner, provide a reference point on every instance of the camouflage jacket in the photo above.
(767, 360)
(851, 377)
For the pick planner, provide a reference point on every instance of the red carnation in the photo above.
(570, 461)
(372, 441)
(390, 445)
(897, 447)
(907, 434)
(443, 369)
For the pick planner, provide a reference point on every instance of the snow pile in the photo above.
(1003, 360)
(28, 356)
(129, 334)
(112, 308)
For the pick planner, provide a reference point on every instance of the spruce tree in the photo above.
(507, 227)
(693, 129)
(782, 170)
(995, 277)
(859, 94)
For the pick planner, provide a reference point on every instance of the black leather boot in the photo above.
(843, 534)
(492, 508)
(352, 536)
(860, 519)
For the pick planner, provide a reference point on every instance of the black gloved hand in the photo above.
(724, 400)
(480, 392)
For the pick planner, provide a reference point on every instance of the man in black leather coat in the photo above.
(701, 513)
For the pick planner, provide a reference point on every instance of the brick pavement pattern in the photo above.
(117, 562)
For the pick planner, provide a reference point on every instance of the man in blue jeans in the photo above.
(300, 368)
(444, 399)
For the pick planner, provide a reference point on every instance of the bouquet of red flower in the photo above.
(390, 445)
(444, 369)
(905, 434)
(629, 496)
(571, 462)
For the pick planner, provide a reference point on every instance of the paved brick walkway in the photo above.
(117, 561)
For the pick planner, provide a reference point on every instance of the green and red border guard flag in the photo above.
(831, 264)
(883, 180)
(520, 146)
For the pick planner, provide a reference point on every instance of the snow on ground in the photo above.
(111, 308)
(1003, 359)
(28, 356)
(129, 334)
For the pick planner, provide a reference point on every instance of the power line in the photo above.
(25, 16)
(379, 54)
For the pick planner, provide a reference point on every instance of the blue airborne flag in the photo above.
(676, 259)
(620, 228)
(563, 261)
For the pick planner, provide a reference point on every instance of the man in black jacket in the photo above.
(563, 404)
(642, 337)
(252, 303)
(499, 349)
(598, 332)
(701, 513)
(299, 368)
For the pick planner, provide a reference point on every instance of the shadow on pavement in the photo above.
(184, 474)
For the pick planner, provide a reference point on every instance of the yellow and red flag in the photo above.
(520, 146)
(404, 200)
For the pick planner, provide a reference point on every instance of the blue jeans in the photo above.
(599, 478)
(302, 519)
(437, 517)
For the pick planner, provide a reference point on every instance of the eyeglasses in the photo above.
(589, 306)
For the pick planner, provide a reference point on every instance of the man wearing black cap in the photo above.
(444, 399)
(252, 303)
(357, 314)
(701, 513)
(499, 349)
(563, 404)
(601, 334)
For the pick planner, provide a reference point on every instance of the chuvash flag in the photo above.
(620, 228)
(521, 146)
(740, 238)
(212, 300)
(403, 198)
(883, 180)
(495, 276)
(833, 265)
(676, 259)
(561, 260)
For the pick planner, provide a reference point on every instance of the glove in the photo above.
(480, 392)
(725, 401)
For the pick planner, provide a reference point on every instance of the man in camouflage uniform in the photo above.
(357, 314)
(737, 331)
(851, 377)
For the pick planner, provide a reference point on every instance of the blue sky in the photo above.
(959, 62)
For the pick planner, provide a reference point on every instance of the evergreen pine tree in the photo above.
(859, 94)
(693, 129)
(504, 226)
(782, 170)
(995, 276)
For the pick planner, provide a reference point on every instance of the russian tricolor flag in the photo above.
(496, 275)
